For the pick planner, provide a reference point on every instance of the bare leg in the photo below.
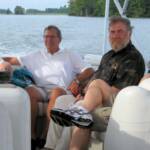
(56, 92)
(97, 94)
(35, 96)
(80, 139)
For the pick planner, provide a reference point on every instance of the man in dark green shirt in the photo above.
(122, 68)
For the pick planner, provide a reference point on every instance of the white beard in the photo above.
(117, 47)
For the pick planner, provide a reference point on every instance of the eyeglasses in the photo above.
(117, 31)
(48, 36)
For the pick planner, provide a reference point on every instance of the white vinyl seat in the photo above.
(17, 105)
(129, 124)
(145, 84)
(6, 141)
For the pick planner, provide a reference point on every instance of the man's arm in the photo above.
(80, 78)
(12, 60)
(86, 74)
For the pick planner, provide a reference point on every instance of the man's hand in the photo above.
(74, 88)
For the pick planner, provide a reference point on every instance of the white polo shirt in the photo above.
(54, 70)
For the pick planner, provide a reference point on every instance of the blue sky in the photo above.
(37, 4)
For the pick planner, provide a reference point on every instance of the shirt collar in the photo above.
(59, 51)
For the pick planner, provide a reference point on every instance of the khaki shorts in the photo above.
(101, 118)
(101, 115)
(45, 92)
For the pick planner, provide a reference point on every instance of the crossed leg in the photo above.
(98, 93)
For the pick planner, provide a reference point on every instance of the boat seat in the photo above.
(129, 124)
(145, 84)
(6, 139)
(16, 102)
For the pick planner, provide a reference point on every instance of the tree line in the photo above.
(136, 8)
(19, 10)
(5, 11)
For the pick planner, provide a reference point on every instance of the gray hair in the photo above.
(116, 19)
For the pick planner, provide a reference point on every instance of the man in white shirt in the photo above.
(52, 69)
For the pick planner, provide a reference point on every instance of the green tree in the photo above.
(19, 10)
(82, 7)
(136, 8)
(146, 8)
(8, 11)
(77, 7)
(5, 11)
(99, 8)
(34, 11)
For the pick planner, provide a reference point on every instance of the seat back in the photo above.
(17, 104)
(145, 84)
(129, 124)
(6, 141)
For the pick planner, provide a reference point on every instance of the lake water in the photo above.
(21, 34)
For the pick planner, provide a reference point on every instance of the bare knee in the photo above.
(98, 83)
(58, 91)
(103, 87)
(33, 94)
